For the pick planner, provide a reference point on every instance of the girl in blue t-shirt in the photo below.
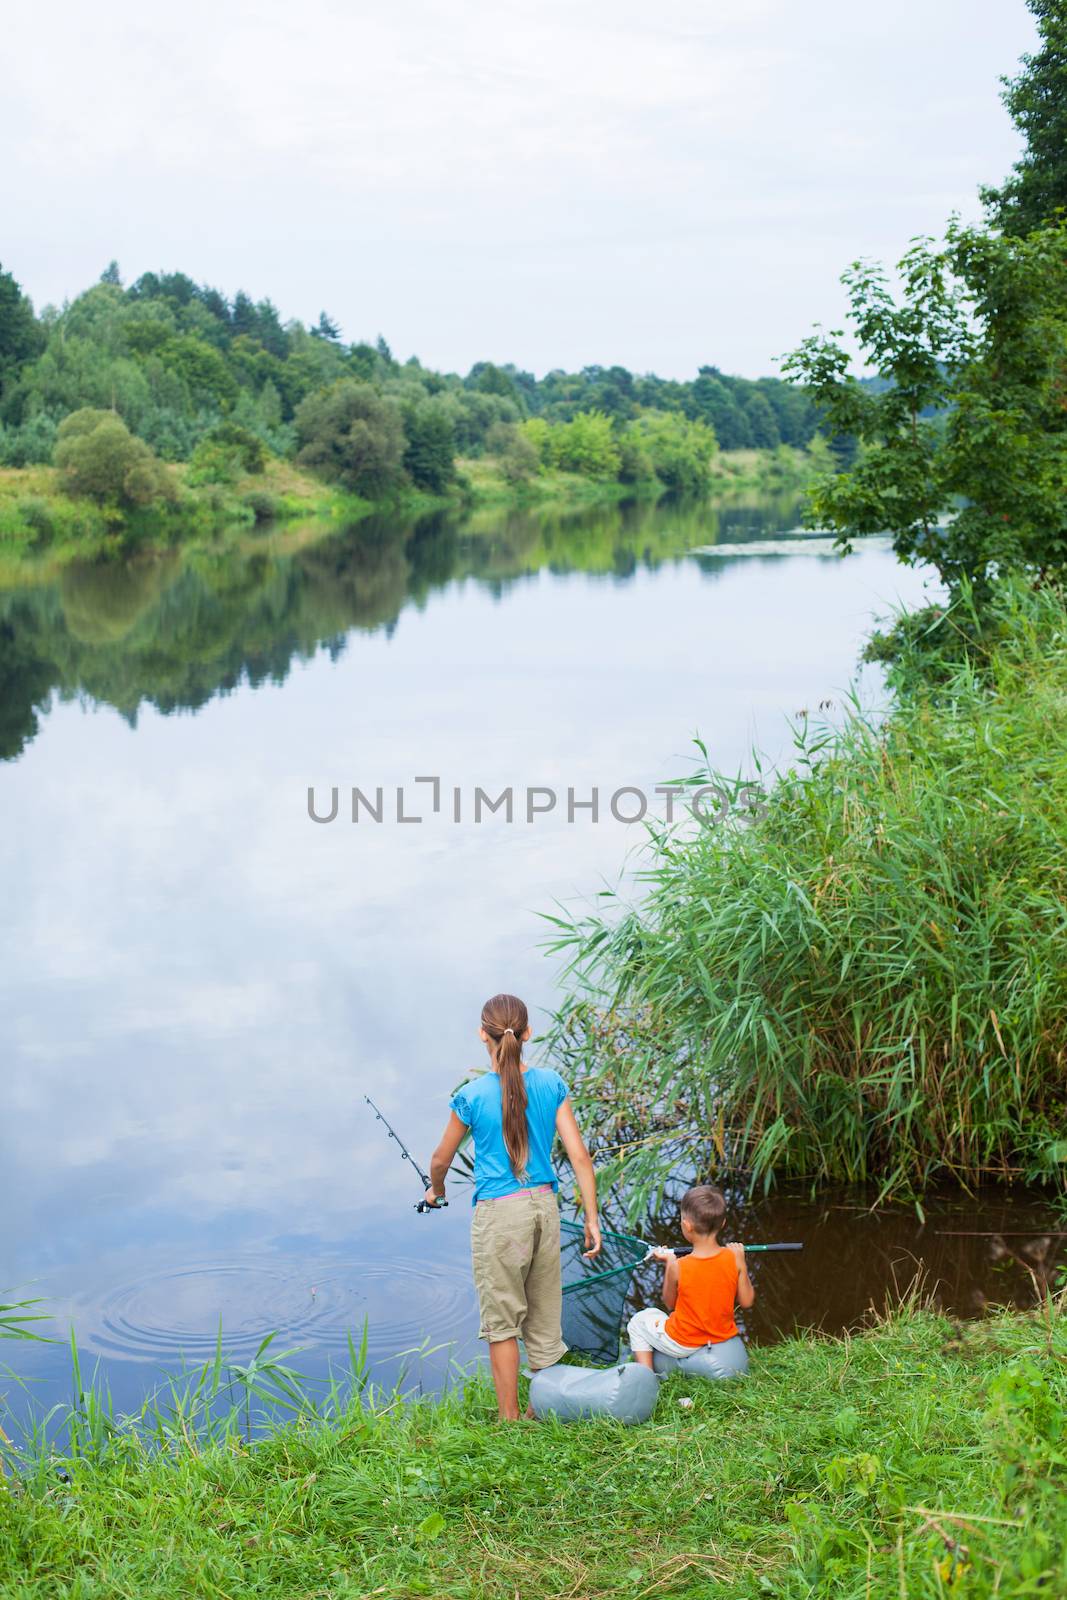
(514, 1113)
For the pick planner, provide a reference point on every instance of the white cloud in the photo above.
(554, 185)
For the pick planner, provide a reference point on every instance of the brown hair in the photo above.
(505, 1020)
(705, 1208)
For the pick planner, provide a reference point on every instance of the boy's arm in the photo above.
(746, 1289)
(670, 1281)
(443, 1157)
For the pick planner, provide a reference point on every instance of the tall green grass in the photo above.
(869, 981)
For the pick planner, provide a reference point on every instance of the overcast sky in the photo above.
(551, 183)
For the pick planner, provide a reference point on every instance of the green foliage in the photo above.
(225, 454)
(175, 360)
(586, 445)
(29, 444)
(263, 505)
(868, 981)
(680, 451)
(763, 424)
(352, 436)
(97, 456)
(21, 337)
(913, 1460)
(516, 451)
(966, 437)
(1037, 103)
(201, 368)
(430, 449)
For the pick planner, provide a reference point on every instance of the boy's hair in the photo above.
(705, 1208)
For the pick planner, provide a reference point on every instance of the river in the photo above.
(200, 983)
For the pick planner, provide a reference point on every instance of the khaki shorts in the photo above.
(515, 1249)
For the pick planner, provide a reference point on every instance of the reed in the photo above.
(868, 981)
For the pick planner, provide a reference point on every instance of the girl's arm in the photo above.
(746, 1289)
(443, 1157)
(582, 1163)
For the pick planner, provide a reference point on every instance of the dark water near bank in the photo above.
(199, 984)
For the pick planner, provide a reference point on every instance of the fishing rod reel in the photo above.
(430, 1205)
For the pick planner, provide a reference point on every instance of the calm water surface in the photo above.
(199, 984)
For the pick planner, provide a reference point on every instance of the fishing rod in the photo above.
(423, 1204)
(750, 1249)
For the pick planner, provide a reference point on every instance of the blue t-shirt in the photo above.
(478, 1104)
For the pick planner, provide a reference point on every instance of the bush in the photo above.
(96, 455)
(352, 436)
(226, 454)
(30, 444)
(587, 444)
(680, 451)
(263, 505)
(36, 514)
(515, 450)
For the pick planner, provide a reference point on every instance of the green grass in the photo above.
(481, 482)
(768, 470)
(918, 1459)
(869, 981)
(38, 520)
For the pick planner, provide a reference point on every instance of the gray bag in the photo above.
(729, 1359)
(627, 1392)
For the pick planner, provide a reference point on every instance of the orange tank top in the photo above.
(707, 1289)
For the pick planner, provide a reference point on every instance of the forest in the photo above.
(176, 372)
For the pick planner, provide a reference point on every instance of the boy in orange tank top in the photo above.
(699, 1290)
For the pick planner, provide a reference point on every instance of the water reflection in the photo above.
(174, 630)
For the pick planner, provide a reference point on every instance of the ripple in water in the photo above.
(176, 1313)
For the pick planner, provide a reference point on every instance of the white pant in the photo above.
(645, 1331)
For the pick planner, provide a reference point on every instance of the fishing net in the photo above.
(594, 1292)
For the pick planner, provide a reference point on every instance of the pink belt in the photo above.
(538, 1188)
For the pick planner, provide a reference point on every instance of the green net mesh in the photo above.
(594, 1292)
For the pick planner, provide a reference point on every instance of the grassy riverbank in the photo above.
(38, 518)
(866, 981)
(485, 481)
(482, 483)
(917, 1459)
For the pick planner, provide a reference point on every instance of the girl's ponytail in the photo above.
(505, 1020)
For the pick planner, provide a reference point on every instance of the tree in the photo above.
(112, 275)
(515, 450)
(431, 447)
(326, 328)
(1037, 102)
(96, 455)
(21, 336)
(352, 436)
(202, 367)
(965, 443)
(225, 453)
(587, 444)
(680, 450)
(711, 401)
(489, 379)
(762, 422)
